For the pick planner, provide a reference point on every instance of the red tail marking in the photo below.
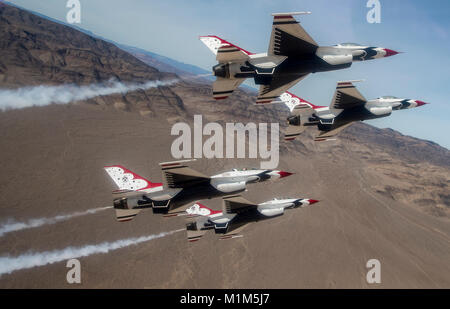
(231, 44)
(211, 212)
(304, 101)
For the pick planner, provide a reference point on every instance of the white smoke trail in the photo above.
(30, 260)
(63, 94)
(13, 226)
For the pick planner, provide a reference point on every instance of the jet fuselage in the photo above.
(262, 67)
(327, 119)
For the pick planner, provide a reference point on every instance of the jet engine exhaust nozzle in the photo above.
(221, 70)
(294, 120)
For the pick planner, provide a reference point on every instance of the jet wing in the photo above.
(292, 132)
(178, 175)
(326, 135)
(346, 96)
(223, 87)
(288, 38)
(281, 81)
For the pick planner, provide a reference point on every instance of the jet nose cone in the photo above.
(284, 174)
(420, 103)
(312, 202)
(390, 52)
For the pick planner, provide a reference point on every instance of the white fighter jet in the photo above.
(237, 212)
(183, 185)
(291, 56)
(347, 106)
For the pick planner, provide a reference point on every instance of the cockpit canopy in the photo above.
(349, 44)
(243, 169)
(388, 97)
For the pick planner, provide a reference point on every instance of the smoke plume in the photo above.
(63, 94)
(30, 260)
(13, 226)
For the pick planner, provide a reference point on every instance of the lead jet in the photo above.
(236, 214)
(182, 185)
(291, 56)
(347, 106)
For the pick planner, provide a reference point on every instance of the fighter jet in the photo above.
(237, 212)
(347, 106)
(291, 56)
(182, 186)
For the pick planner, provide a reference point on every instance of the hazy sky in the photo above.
(418, 28)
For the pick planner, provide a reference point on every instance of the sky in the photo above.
(419, 29)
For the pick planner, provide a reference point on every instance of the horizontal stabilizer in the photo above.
(224, 87)
(328, 135)
(123, 215)
(293, 131)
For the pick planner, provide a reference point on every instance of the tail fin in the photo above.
(224, 87)
(213, 42)
(293, 131)
(347, 95)
(201, 210)
(123, 215)
(127, 180)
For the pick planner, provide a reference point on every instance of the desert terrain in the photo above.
(382, 195)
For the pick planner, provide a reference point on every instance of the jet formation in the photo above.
(292, 55)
